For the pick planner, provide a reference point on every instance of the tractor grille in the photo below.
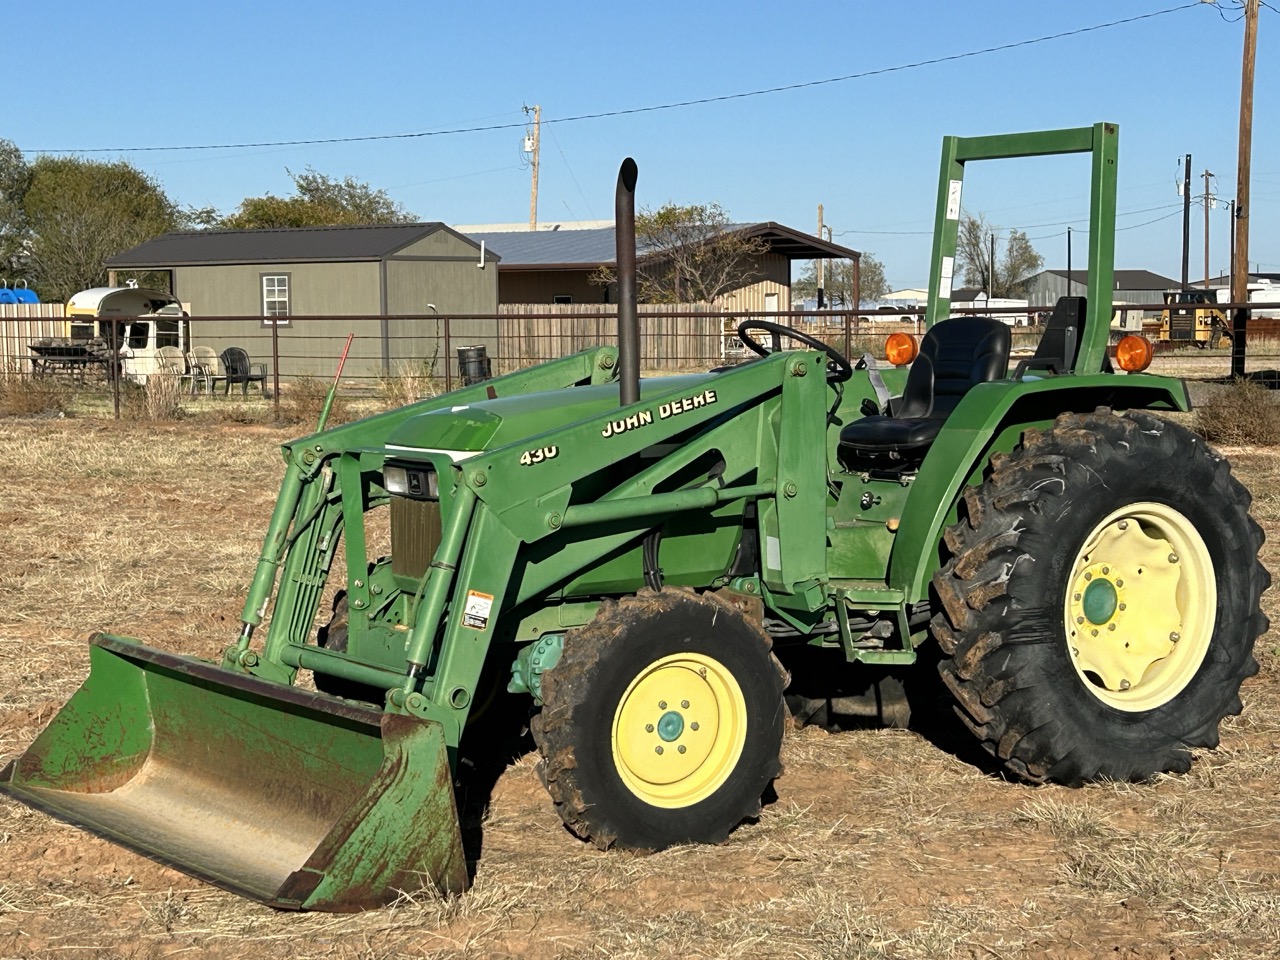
(415, 534)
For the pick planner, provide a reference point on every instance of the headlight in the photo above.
(418, 483)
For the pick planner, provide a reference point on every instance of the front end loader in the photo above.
(626, 561)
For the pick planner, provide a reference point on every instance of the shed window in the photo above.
(275, 298)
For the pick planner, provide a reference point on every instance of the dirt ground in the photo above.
(880, 843)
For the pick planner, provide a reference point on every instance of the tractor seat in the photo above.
(954, 355)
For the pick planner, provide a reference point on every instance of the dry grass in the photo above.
(409, 382)
(881, 844)
(31, 397)
(1241, 413)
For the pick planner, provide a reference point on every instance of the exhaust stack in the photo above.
(624, 206)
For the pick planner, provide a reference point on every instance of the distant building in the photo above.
(376, 273)
(556, 266)
(1129, 286)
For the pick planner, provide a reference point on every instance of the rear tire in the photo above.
(1100, 604)
(662, 723)
(333, 636)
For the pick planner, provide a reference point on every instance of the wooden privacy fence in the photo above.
(672, 336)
(20, 323)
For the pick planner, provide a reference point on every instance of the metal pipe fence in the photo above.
(398, 357)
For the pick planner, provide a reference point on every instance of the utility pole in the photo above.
(822, 266)
(991, 287)
(1186, 219)
(1240, 267)
(532, 145)
(1207, 200)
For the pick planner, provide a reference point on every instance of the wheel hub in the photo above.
(679, 730)
(1100, 600)
(670, 726)
(1142, 581)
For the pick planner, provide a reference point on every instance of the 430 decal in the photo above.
(541, 455)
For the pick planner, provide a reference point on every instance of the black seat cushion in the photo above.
(954, 355)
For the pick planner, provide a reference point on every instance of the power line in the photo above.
(1030, 226)
(636, 110)
(1132, 226)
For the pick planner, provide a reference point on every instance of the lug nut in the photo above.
(1124, 524)
(1111, 626)
(648, 728)
(693, 726)
(1173, 558)
(657, 750)
(1123, 606)
(1075, 651)
(1095, 633)
(1106, 569)
(1088, 576)
(681, 748)
(1124, 685)
(1079, 619)
(684, 704)
(1075, 596)
(1119, 583)
(1175, 637)
(662, 704)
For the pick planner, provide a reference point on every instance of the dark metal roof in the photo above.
(545, 249)
(550, 248)
(797, 245)
(284, 245)
(578, 249)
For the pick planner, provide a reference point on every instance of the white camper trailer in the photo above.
(144, 320)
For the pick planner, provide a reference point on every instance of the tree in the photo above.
(689, 255)
(318, 201)
(1013, 274)
(838, 281)
(81, 212)
(15, 178)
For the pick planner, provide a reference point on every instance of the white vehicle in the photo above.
(144, 320)
(1265, 293)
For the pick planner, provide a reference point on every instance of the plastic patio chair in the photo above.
(206, 367)
(173, 364)
(239, 370)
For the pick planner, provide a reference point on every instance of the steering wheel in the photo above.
(838, 368)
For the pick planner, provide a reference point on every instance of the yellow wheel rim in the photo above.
(1140, 607)
(679, 730)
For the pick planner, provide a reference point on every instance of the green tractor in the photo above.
(626, 561)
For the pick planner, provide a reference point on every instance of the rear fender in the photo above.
(992, 416)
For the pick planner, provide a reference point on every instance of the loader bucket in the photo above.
(296, 799)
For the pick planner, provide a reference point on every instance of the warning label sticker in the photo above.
(476, 613)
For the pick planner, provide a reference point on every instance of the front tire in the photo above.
(662, 723)
(1101, 600)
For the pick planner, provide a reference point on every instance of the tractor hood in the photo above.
(464, 431)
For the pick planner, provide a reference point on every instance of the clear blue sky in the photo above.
(144, 74)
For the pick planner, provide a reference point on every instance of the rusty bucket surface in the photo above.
(296, 799)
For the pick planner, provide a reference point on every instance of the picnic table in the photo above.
(70, 358)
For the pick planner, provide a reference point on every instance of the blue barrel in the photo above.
(25, 295)
(8, 295)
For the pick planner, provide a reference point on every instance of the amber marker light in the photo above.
(900, 349)
(1133, 353)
